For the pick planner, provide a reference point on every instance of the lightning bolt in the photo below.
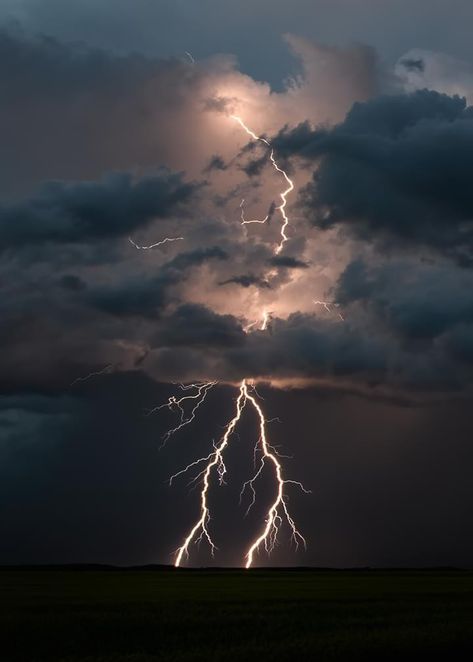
(278, 509)
(283, 195)
(265, 319)
(179, 404)
(255, 220)
(104, 371)
(200, 528)
(326, 305)
(194, 395)
(158, 243)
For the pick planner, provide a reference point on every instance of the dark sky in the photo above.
(110, 132)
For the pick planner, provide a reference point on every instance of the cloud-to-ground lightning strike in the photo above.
(278, 509)
(283, 195)
(158, 243)
(215, 460)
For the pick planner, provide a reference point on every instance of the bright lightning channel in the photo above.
(158, 243)
(278, 508)
(266, 317)
(254, 220)
(268, 537)
(195, 399)
(283, 195)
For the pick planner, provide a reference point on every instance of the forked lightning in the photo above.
(283, 195)
(278, 510)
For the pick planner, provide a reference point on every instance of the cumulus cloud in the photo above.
(418, 302)
(423, 69)
(194, 326)
(397, 168)
(364, 298)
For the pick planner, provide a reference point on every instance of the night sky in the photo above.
(116, 132)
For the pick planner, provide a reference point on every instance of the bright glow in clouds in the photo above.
(283, 195)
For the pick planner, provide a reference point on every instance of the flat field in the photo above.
(144, 615)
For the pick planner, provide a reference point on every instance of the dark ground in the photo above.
(140, 615)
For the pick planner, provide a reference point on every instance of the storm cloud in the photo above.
(67, 212)
(396, 169)
(362, 320)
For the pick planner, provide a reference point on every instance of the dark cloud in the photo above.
(288, 262)
(193, 325)
(247, 280)
(66, 212)
(398, 169)
(146, 297)
(255, 167)
(72, 282)
(54, 331)
(89, 332)
(407, 338)
(216, 163)
(417, 302)
(302, 346)
(139, 298)
(194, 258)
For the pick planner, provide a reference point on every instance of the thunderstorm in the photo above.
(194, 395)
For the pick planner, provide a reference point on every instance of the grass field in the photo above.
(137, 616)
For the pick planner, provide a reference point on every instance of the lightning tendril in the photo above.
(283, 195)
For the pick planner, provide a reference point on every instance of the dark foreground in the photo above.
(137, 616)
